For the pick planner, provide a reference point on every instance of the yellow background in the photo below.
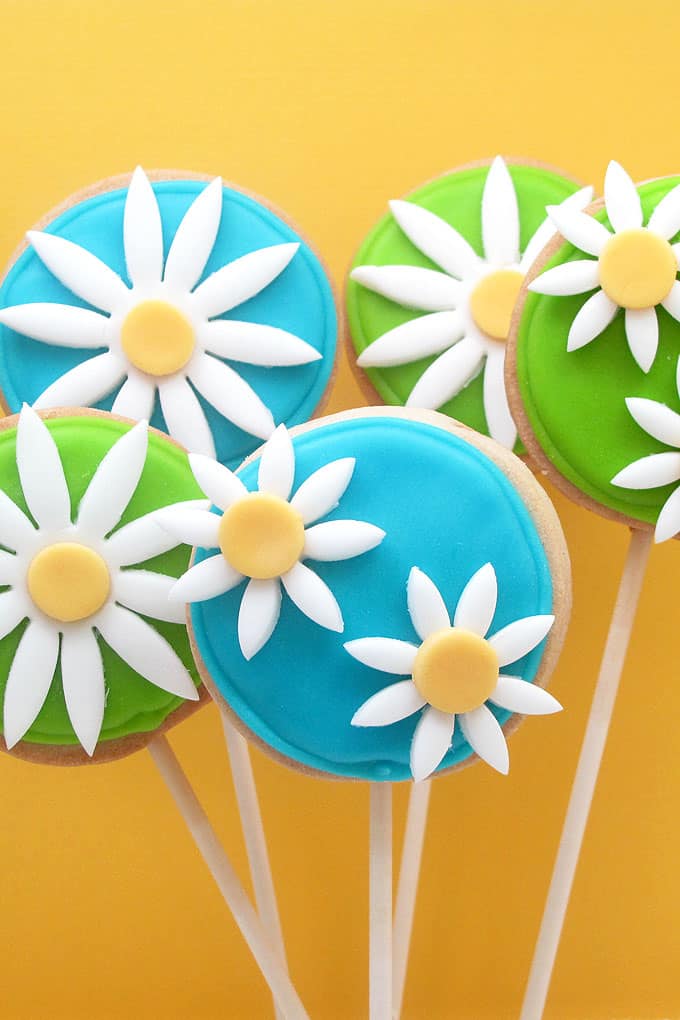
(329, 109)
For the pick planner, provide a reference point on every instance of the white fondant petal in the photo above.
(447, 376)
(668, 521)
(323, 490)
(9, 566)
(256, 344)
(520, 637)
(591, 319)
(485, 736)
(114, 482)
(205, 580)
(13, 609)
(390, 705)
(656, 419)
(190, 526)
(649, 472)
(583, 231)
(642, 333)
(500, 216)
(313, 597)
(136, 398)
(496, 408)
(665, 219)
(477, 602)
(431, 741)
(142, 233)
(221, 486)
(146, 651)
(41, 473)
(418, 338)
(30, 677)
(63, 325)
(389, 655)
(144, 538)
(569, 278)
(672, 301)
(16, 531)
(411, 286)
(82, 674)
(232, 396)
(426, 606)
(194, 239)
(185, 419)
(86, 384)
(578, 200)
(147, 592)
(258, 615)
(277, 464)
(79, 270)
(341, 540)
(621, 199)
(435, 238)
(517, 695)
(242, 279)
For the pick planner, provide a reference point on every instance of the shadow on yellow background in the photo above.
(329, 109)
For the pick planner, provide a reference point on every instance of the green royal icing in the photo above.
(133, 705)
(457, 198)
(575, 402)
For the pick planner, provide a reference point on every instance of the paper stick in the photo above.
(380, 909)
(407, 888)
(254, 838)
(587, 771)
(226, 879)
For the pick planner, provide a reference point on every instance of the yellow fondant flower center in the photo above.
(492, 302)
(262, 536)
(455, 670)
(157, 338)
(68, 581)
(637, 268)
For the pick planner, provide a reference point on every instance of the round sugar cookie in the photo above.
(94, 658)
(432, 288)
(371, 594)
(171, 298)
(593, 359)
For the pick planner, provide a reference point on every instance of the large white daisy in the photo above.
(72, 582)
(161, 335)
(265, 537)
(634, 266)
(454, 672)
(469, 303)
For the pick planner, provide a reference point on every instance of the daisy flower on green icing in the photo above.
(71, 579)
(634, 266)
(161, 333)
(454, 672)
(264, 537)
(468, 301)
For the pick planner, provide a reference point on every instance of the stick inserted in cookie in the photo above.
(380, 910)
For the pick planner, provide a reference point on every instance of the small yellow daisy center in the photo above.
(157, 338)
(637, 268)
(262, 536)
(68, 581)
(493, 300)
(455, 670)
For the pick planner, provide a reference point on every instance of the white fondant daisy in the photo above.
(662, 423)
(72, 582)
(265, 536)
(454, 672)
(161, 335)
(469, 302)
(634, 266)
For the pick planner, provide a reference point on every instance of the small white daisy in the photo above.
(469, 303)
(454, 672)
(264, 536)
(161, 333)
(73, 582)
(634, 266)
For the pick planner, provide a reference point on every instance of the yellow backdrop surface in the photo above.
(329, 109)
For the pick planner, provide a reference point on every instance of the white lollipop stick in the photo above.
(380, 909)
(220, 868)
(587, 772)
(407, 888)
